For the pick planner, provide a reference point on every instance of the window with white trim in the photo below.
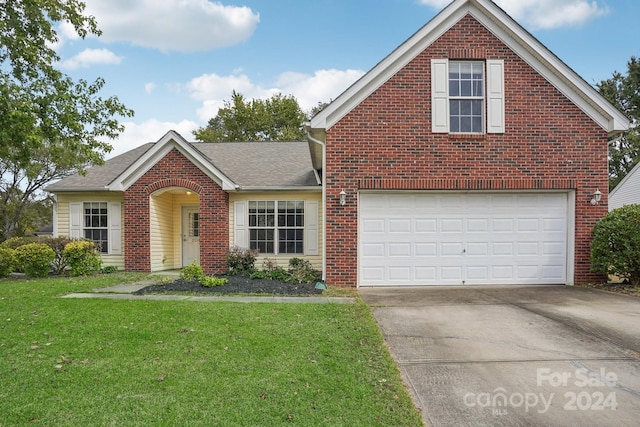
(96, 226)
(276, 227)
(466, 96)
(100, 221)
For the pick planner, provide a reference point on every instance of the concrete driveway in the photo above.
(515, 355)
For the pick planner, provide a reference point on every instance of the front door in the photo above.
(190, 235)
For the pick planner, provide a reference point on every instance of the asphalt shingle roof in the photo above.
(247, 164)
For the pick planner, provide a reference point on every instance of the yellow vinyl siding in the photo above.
(161, 233)
(166, 228)
(281, 260)
(61, 228)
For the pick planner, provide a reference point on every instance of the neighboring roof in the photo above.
(627, 192)
(234, 165)
(510, 33)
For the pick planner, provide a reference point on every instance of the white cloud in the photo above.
(323, 86)
(137, 134)
(89, 57)
(173, 25)
(545, 14)
(149, 87)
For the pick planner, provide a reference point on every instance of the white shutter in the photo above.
(440, 95)
(75, 220)
(311, 228)
(240, 225)
(495, 96)
(115, 228)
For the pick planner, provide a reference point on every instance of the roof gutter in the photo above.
(280, 188)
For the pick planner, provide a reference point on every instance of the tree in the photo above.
(50, 125)
(624, 93)
(615, 248)
(278, 118)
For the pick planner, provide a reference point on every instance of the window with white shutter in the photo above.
(465, 98)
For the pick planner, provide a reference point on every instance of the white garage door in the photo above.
(462, 238)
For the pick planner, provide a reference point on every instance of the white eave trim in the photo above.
(168, 142)
(281, 188)
(505, 28)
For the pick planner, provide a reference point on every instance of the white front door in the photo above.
(190, 235)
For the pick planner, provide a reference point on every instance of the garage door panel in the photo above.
(399, 249)
(451, 225)
(374, 225)
(426, 225)
(426, 249)
(462, 238)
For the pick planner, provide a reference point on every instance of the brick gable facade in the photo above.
(175, 170)
(386, 143)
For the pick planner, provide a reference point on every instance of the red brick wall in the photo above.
(386, 143)
(175, 170)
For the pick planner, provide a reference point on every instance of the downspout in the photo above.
(324, 204)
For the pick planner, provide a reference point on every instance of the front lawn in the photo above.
(78, 362)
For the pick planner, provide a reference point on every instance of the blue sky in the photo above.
(175, 61)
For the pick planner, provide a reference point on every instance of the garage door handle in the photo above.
(464, 251)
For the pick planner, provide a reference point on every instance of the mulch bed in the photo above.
(235, 285)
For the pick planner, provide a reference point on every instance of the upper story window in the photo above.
(466, 96)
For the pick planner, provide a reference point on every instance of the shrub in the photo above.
(191, 272)
(615, 248)
(109, 269)
(60, 262)
(35, 259)
(16, 242)
(240, 260)
(209, 281)
(83, 257)
(7, 261)
(301, 271)
(194, 271)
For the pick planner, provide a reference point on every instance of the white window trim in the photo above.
(494, 113)
(310, 229)
(114, 224)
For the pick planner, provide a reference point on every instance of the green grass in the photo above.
(80, 362)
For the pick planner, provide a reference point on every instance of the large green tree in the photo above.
(623, 91)
(278, 118)
(50, 124)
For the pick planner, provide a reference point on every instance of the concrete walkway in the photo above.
(125, 291)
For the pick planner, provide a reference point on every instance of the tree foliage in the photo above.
(623, 91)
(50, 125)
(615, 248)
(278, 118)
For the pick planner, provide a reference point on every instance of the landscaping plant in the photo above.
(35, 259)
(7, 261)
(615, 248)
(83, 257)
(194, 272)
(240, 260)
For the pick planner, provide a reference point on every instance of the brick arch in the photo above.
(176, 170)
(173, 182)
